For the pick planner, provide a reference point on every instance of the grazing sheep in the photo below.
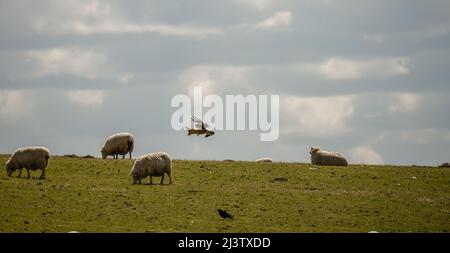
(153, 165)
(118, 144)
(264, 160)
(319, 157)
(445, 165)
(30, 158)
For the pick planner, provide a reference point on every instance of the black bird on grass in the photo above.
(224, 214)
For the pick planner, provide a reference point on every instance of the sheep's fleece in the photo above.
(320, 157)
(30, 158)
(118, 144)
(153, 164)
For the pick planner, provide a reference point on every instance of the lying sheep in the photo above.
(118, 144)
(319, 157)
(445, 165)
(30, 158)
(153, 165)
(264, 160)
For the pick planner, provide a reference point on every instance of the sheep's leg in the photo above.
(28, 171)
(42, 175)
(123, 156)
(162, 179)
(130, 154)
(170, 178)
(20, 173)
(151, 180)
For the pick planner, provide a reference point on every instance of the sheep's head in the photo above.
(314, 150)
(135, 176)
(104, 155)
(209, 133)
(9, 168)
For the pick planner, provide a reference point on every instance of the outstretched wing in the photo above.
(199, 123)
(205, 125)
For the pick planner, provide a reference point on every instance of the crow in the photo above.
(224, 214)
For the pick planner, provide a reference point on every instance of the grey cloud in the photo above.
(319, 31)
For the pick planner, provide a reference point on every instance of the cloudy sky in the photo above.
(370, 79)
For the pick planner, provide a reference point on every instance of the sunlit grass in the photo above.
(94, 195)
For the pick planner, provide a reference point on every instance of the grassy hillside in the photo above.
(94, 195)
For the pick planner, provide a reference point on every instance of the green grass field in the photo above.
(95, 195)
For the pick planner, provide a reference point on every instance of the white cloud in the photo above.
(365, 155)
(93, 8)
(15, 104)
(118, 28)
(346, 69)
(98, 17)
(316, 116)
(214, 78)
(86, 98)
(126, 77)
(70, 60)
(281, 18)
(404, 102)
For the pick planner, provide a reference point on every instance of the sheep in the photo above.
(30, 158)
(319, 157)
(153, 164)
(118, 144)
(264, 160)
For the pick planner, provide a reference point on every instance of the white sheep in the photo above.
(118, 144)
(320, 157)
(264, 160)
(30, 158)
(153, 165)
